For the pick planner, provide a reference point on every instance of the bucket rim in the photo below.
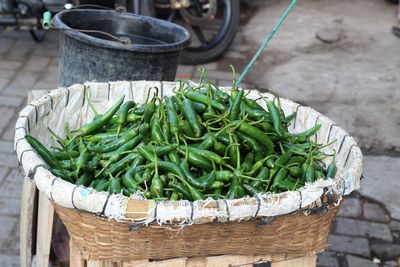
(91, 40)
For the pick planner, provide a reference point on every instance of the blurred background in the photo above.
(340, 57)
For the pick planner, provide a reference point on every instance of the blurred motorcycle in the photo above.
(212, 23)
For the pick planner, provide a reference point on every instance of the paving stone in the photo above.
(353, 227)
(19, 91)
(21, 83)
(208, 66)
(36, 64)
(6, 146)
(3, 83)
(327, 259)
(328, 35)
(3, 173)
(390, 264)
(235, 54)
(6, 44)
(50, 74)
(376, 170)
(10, 206)
(353, 261)
(385, 250)
(6, 116)
(185, 69)
(9, 64)
(46, 49)
(9, 261)
(394, 225)
(21, 48)
(349, 244)
(6, 74)
(8, 133)
(8, 160)
(374, 212)
(351, 207)
(218, 75)
(10, 101)
(11, 188)
(45, 85)
(7, 225)
(396, 237)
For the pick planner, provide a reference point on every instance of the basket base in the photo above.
(98, 238)
(277, 260)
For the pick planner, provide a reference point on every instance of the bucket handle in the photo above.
(47, 24)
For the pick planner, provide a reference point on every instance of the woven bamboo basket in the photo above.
(116, 228)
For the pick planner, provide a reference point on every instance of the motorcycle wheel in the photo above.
(212, 33)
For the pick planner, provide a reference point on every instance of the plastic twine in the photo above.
(266, 41)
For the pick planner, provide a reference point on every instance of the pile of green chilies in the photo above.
(201, 142)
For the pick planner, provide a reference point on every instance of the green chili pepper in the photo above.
(82, 159)
(172, 117)
(115, 144)
(261, 177)
(198, 97)
(191, 117)
(207, 180)
(157, 187)
(309, 174)
(207, 142)
(235, 108)
(63, 155)
(253, 104)
(115, 186)
(94, 183)
(248, 162)
(285, 157)
(219, 147)
(295, 171)
(217, 185)
(199, 161)
(174, 196)
(102, 185)
(318, 175)
(63, 174)
(234, 188)
(161, 150)
(85, 179)
(331, 170)
(128, 181)
(276, 117)
(252, 191)
(206, 154)
(121, 164)
(185, 128)
(174, 158)
(303, 136)
(149, 110)
(223, 176)
(181, 188)
(46, 155)
(253, 145)
(156, 131)
(257, 134)
(100, 122)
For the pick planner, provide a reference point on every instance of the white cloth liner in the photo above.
(68, 105)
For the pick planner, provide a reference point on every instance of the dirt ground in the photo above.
(355, 81)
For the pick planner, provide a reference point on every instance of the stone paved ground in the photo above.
(366, 232)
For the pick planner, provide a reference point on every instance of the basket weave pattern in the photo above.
(103, 239)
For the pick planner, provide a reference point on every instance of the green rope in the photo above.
(264, 45)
